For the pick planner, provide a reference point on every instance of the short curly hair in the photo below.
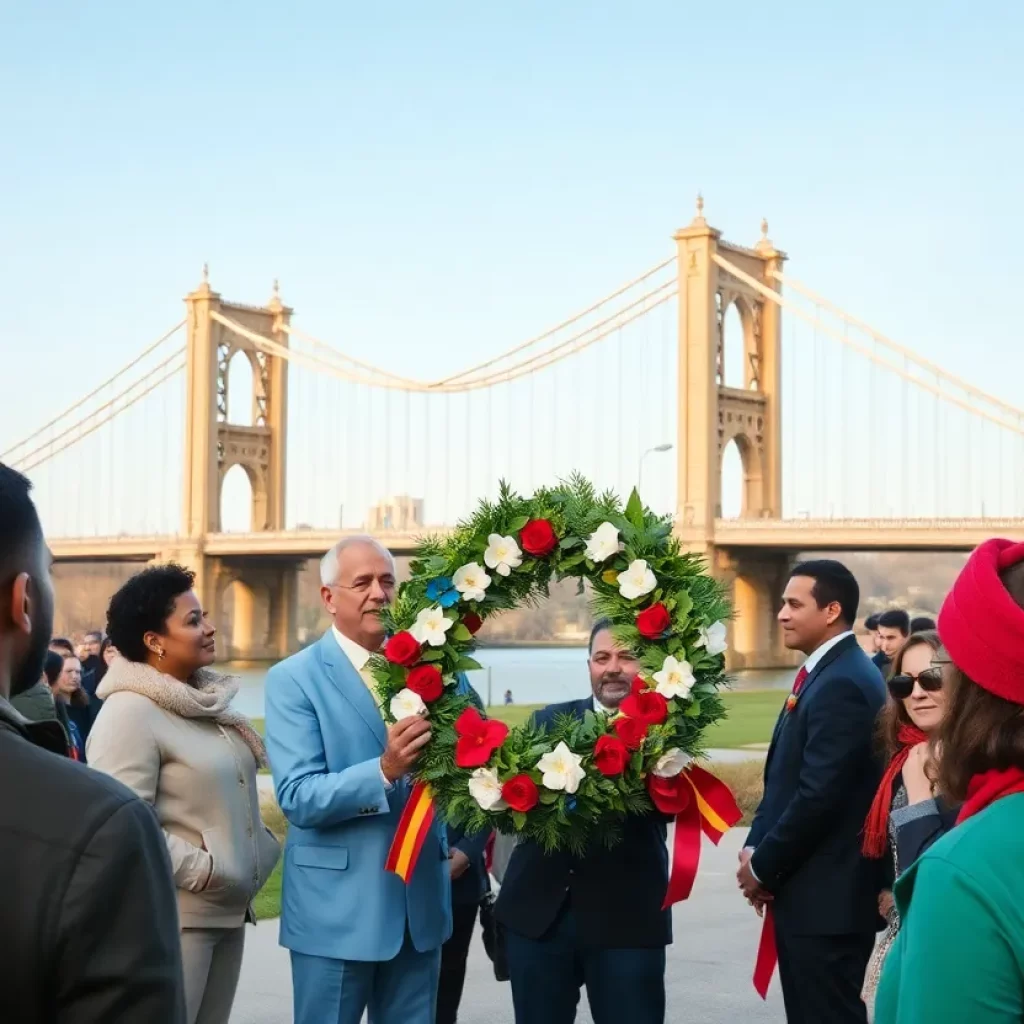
(143, 605)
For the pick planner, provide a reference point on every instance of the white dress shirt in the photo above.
(359, 657)
(599, 708)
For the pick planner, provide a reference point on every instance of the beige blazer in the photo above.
(201, 779)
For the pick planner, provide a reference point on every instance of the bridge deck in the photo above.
(769, 534)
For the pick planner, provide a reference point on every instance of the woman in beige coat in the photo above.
(166, 730)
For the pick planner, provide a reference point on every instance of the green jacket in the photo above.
(959, 956)
(36, 703)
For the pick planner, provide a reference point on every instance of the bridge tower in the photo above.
(712, 414)
(263, 613)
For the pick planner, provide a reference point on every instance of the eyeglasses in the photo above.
(902, 686)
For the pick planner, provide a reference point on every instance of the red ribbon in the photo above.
(767, 954)
(708, 807)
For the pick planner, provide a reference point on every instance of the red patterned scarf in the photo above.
(876, 825)
(987, 787)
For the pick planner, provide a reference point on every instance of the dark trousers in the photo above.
(822, 977)
(454, 954)
(547, 974)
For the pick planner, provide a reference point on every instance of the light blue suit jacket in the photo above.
(325, 737)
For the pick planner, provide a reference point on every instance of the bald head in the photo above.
(357, 582)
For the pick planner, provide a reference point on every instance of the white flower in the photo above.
(713, 638)
(637, 580)
(671, 763)
(430, 626)
(675, 678)
(471, 581)
(406, 704)
(561, 769)
(502, 554)
(485, 789)
(603, 543)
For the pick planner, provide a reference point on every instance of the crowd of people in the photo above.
(889, 828)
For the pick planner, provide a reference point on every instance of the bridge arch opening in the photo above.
(236, 501)
(240, 390)
(732, 496)
(734, 347)
(245, 620)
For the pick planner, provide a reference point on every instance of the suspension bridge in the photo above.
(242, 446)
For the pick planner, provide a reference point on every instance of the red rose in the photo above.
(654, 622)
(402, 649)
(426, 681)
(538, 538)
(478, 738)
(610, 755)
(520, 793)
(647, 705)
(670, 796)
(472, 622)
(631, 731)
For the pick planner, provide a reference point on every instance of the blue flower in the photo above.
(570, 804)
(441, 590)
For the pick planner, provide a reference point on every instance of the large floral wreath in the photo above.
(560, 785)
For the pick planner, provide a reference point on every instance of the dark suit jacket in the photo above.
(615, 894)
(820, 778)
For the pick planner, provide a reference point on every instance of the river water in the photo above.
(535, 675)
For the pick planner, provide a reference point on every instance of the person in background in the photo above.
(93, 665)
(596, 920)
(37, 703)
(959, 952)
(871, 626)
(64, 647)
(108, 652)
(167, 731)
(802, 866)
(906, 816)
(893, 630)
(88, 918)
(66, 690)
(921, 624)
(469, 884)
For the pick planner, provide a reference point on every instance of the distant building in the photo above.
(401, 514)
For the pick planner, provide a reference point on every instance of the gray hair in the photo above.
(329, 563)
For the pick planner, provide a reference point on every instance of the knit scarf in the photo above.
(208, 694)
(987, 787)
(876, 825)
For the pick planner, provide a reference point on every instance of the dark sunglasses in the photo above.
(930, 680)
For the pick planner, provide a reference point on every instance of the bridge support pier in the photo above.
(252, 602)
(755, 582)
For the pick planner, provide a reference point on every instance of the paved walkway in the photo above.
(709, 964)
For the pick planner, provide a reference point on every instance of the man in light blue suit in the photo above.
(360, 938)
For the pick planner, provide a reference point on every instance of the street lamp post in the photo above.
(640, 471)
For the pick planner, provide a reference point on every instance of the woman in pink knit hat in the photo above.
(959, 956)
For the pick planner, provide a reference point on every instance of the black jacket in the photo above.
(88, 910)
(820, 778)
(615, 894)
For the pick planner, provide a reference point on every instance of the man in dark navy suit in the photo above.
(803, 854)
(596, 920)
(469, 883)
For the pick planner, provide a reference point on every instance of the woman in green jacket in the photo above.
(959, 957)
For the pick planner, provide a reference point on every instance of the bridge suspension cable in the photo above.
(901, 371)
(576, 343)
(450, 383)
(5, 456)
(938, 371)
(128, 397)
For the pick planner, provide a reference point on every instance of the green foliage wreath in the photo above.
(663, 606)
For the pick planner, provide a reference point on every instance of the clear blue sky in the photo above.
(434, 182)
